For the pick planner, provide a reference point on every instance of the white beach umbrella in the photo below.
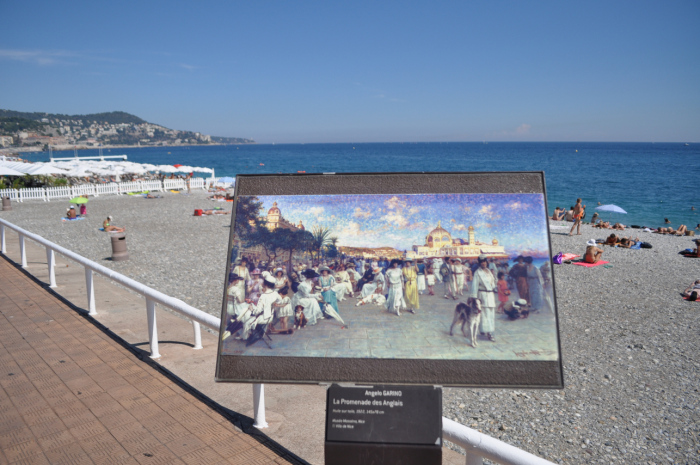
(9, 172)
(41, 169)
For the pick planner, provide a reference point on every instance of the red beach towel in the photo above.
(590, 265)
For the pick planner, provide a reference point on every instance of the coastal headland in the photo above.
(628, 339)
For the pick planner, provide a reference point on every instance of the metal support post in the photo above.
(22, 251)
(259, 405)
(197, 335)
(90, 289)
(473, 459)
(152, 328)
(51, 260)
(2, 239)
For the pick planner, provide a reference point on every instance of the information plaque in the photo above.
(393, 278)
(383, 424)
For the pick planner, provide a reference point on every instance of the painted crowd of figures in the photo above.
(264, 298)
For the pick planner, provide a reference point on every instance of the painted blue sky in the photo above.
(518, 221)
(311, 71)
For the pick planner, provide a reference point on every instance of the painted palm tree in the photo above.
(321, 237)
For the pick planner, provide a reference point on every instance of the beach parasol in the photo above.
(78, 200)
(226, 180)
(610, 208)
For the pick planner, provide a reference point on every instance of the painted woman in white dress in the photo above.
(394, 275)
(242, 271)
(306, 297)
(236, 307)
(378, 284)
(342, 283)
(484, 288)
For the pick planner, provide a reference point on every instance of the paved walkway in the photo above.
(70, 393)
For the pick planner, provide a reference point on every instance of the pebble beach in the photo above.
(629, 341)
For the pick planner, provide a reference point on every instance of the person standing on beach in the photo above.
(578, 216)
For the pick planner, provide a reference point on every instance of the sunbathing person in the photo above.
(627, 242)
(593, 253)
(70, 213)
(602, 225)
(619, 226)
(612, 240)
(213, 211)
(693, 291)
(111, 228)
(558, 214)
(692, 253)
(681, 230)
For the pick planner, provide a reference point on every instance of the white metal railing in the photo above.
(152, 297)
(477, 445)
(480, 446)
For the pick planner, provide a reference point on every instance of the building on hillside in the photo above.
(440, 243)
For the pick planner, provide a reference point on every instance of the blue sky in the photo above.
(364, 71)
(517, 221)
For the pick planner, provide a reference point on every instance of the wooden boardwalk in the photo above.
(71, 393)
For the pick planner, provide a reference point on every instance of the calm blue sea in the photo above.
(651, 181)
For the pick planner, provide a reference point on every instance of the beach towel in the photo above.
(637, 246)
(72, 219)
(590, 265)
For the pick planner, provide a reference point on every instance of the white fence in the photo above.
(32, 193)
(114, 188)
(109, 188)
(13, 194)
(477, 445)
(174, 184)
(83, 189)
(60, 192)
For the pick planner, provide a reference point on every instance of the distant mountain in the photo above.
(112, 117)
(111, 128)
(231, 140)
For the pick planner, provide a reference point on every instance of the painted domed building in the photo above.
(440, 243)
(274, 220)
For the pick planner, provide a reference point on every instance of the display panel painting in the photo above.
(405, 276)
